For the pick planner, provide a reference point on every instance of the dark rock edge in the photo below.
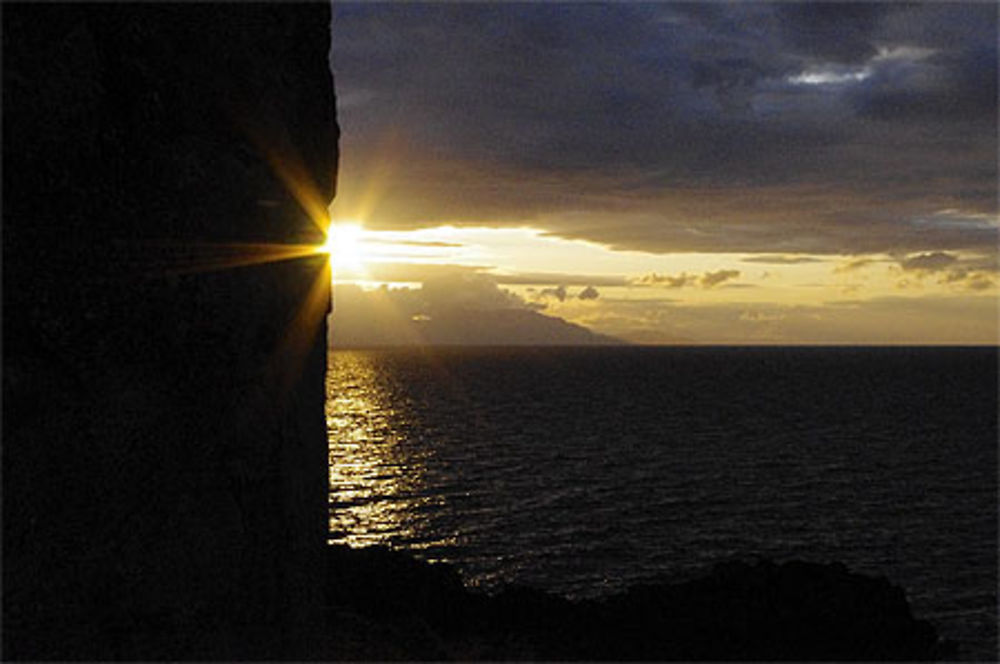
(386, 605)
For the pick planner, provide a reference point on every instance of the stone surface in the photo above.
(164, 458)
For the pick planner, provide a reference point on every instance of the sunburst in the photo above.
(345, 244)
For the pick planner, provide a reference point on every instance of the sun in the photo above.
(345, 244)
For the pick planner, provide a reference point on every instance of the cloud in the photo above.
(467, 290)
(773, 259)
(763, 315)
(972, 272)
(677, 127)
(965, 318)
(969, 279)
(854, 265)
(979, 282)
(666, 280)
(955, 85)
(834, 32)
(706, 280)
(983, 263)
(559, 293)
(977, 274)
(930, 262)
(418, 272)
(710, 279)
(414, 243)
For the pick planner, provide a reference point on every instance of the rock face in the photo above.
(397, 608)
(164, 458)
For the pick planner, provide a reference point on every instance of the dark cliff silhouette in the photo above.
(164, 451)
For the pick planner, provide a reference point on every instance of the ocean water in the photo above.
(582, 471)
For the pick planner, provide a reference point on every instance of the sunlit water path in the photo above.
(581, 471)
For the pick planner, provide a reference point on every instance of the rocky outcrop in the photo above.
(388, 606)
(164, 456)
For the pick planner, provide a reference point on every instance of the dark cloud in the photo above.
(970, 273)
(706, 280)
(711, 279)
(771, 259)
(732, 80)
(559, 293)
(589, 293)
(668, 281)
(842, 32)
(983, 263)
(678, 127)
(932, 262)
(945, 87)
(854, 265)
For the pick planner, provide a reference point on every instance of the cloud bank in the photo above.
(784, 128)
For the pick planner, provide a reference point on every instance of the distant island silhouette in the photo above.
(469, 312)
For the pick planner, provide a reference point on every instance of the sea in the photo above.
(584, 470)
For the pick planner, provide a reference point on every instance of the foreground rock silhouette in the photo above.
(386, 605)
(164, 445)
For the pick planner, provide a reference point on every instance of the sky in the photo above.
(746, 173)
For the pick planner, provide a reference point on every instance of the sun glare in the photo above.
(345, 244)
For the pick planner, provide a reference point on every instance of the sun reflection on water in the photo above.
(377, 479)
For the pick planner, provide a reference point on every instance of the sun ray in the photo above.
(301, 186)
(345, 242)
(387, 155)
(173, 258)
(288, 165)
